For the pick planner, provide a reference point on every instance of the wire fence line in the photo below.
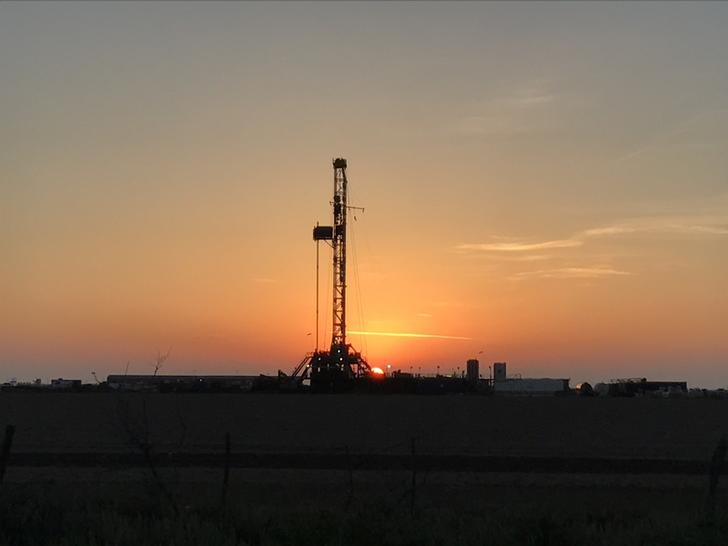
(347, 460)
(139, 446)
(400, 457)
(138, 449)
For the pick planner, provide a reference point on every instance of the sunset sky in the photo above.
(545, 184)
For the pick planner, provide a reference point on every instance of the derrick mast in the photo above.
(333, 369)
(338, 334)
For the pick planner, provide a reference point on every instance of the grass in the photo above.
(136, 513)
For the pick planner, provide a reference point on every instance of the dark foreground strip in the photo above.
(328, 461)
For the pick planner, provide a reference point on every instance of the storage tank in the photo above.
(473, 370)
(499, 371)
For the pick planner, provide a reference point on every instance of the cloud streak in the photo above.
(404, 334)
(506, 248)
(685, 225)
(688, 130)
(674, 225)
(596, 272)
(521, 110)
(263, 280)
(521, 246)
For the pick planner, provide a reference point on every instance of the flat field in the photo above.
(463, 425)
(149, 503)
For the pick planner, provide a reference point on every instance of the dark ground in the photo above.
(474, 425)
(170, 504)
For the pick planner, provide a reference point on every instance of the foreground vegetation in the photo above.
(137, 513)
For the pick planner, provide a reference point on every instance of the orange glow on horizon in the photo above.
(404, 334)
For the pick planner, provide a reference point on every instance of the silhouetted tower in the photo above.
(328, 370)
(339, 348)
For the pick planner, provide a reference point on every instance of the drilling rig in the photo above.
(337, 368)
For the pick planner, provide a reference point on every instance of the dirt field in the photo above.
(469, 425)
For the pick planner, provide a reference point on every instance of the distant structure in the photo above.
(585, 389)
(642, 387)
(37, 385)
(499, 371)
(502, 384)
(472, 373)
(65, 384)
(183, 383)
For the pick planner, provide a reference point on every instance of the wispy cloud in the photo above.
(511, 113)
(596, 272)
(424, 315)
(531, 258)
(706, 126)
(677, 225)
(263, 280)
(521, 246)
(608, 230)
(708, 229)
(514, 256)
(506, 247)
(706, 225)
(528, 97)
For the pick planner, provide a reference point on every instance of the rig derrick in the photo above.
(337, 368)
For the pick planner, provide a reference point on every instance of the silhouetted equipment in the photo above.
(499, 371)
(641, 386)
(473, 370)
(187, 383)
(334, 369)
(323, 233)
(340, 367)
(502, 384)
(66, 384)
(585, 389)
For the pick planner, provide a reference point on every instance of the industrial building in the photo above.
(183, 383)
(65, 384)
(642, 387)
(502, 384)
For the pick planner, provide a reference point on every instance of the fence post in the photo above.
(716, 465)
(350, 495)
(226, 475)
(414, 477)
(7, 443)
